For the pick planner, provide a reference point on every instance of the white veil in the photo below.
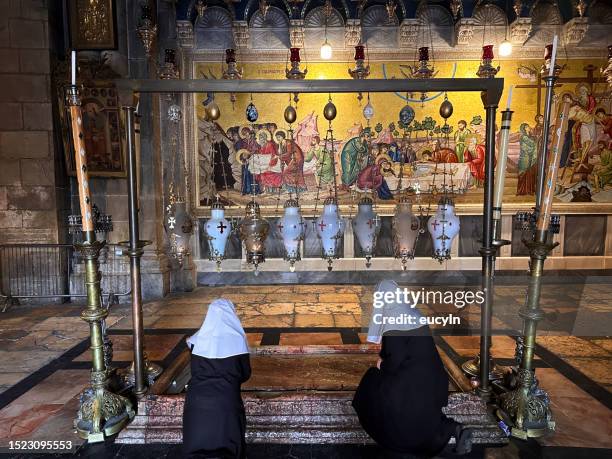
(221, 335)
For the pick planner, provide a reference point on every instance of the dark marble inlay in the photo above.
(470, 235)
(584, 235)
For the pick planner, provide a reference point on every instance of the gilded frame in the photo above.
(93, 24)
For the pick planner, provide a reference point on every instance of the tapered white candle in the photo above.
(502, 160)
(73, 68)
(509, 97)
(551, 71)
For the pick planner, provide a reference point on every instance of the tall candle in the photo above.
(73, 68)
(509, 97)
(500, 171)
(558, 139)
(551, 70)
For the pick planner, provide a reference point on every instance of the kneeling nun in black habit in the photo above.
(399, 403)
(214, 420)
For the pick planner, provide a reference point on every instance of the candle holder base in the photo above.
(472, 368)
(526, 410)
(101, 413)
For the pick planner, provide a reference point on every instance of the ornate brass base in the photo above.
(472, 368)
(102, 414)
(151, 370)
(529, 406)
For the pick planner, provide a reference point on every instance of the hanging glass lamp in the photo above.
(330, 228)
(218, 230)
(291, 228)
(443, 227)
(253, 231)
(366, 226)
(406, 228)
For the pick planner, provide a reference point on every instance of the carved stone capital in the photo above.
(575, 30)
(296, 33)
(240, 29)
(184, 34)
(520, 30)
(352, 33)
(408, 33)
(464, 31)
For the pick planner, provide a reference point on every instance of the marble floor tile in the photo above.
(301, 339)
(254, 339)
(25, 361)
(182, 308)
(604, 343)
(183, 321)
(572, 346)
(339, 298)
(279, 320)
(14, 425)
(156, 347)
(598, 370)
(349, 320)
(48, 340)
(322, 308)
(558, 385)
(8, 379)
(580, 422)
(314, 320)
(266, 308)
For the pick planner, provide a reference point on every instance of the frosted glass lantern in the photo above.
(218, 230)
(406, 228)
(330, 227)
(291, 228)
(253, 231)
(366, 226)
(443, 227)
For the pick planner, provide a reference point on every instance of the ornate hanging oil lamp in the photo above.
(294, 73)
(361, 71)
(147, 30)
(169, 69)
(212, 110)
(486, 69)
(443, 227)
(330, 226)
(423, 70)
(179, 225)
(231, 72)
(366, 226)
(218, 230)
(291, 228)
(253, 231)
(406, 229)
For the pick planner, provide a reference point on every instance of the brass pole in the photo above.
(472, 366)
(135, 252)
(527, 407)
(101, 412)
(487, 252)
(142, 372)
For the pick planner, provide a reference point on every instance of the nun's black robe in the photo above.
(214, 420)
(399, 406)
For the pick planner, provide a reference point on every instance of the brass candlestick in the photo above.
(101, 412)
(527, 408)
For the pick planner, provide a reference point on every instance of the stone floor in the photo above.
(44, 356)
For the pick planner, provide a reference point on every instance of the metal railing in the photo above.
(33, 271)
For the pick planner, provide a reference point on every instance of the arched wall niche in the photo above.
(214, 29)
(271, 32)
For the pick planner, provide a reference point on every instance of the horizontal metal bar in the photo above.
(493, 86)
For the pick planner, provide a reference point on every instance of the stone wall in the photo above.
(31, 196)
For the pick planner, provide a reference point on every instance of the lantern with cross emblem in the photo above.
(291, 228)
(406, 229)
(366, 226)
(443, 227)
(330, 228)
(218, 230)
